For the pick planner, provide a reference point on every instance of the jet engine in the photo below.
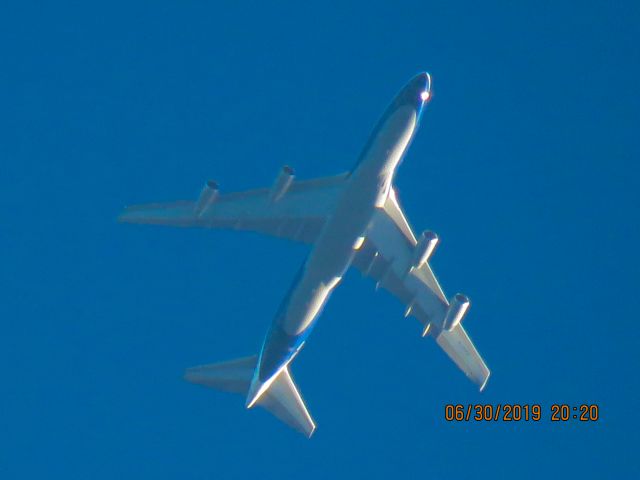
(455, 313)
(207, 197)
(426, 245)
(282, 184)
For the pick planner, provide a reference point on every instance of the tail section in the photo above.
(284, 401)
(232, 376)
(281, 397)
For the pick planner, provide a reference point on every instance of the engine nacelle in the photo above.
(426, 245)
(455, 313)
(207, 197)
(282, 184)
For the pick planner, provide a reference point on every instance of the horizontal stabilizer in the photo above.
(284, 401)
(232, 376)
(281, 398)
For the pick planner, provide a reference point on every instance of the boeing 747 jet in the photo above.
(352, 219)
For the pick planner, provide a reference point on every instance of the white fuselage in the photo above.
(367, 189)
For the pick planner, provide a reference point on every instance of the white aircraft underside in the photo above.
(350, 219)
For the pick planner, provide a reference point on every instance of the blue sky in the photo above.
(526, 165)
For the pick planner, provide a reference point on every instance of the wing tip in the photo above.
(123, 217)
(484, 381)
(311, 431)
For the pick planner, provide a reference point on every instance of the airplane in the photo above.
(351, 219)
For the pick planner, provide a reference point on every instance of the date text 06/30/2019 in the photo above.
(515, 412)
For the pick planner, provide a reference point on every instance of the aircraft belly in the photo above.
(323, 270)
(335, 247)
(387, 146)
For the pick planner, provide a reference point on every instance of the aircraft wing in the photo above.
(386, 256)
(297, 212)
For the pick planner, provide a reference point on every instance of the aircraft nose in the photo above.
(422, 86)
(417, 91)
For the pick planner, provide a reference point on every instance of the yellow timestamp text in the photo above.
(516, 412)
